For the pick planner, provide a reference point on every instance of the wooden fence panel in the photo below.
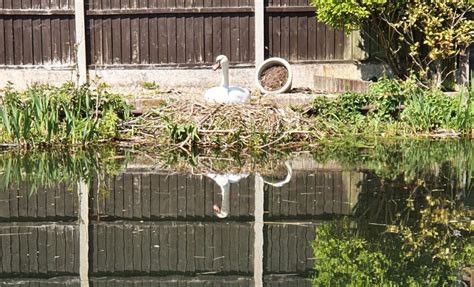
(39, 249)
(287, 248)
(35, 282)
(170, 247)
(149, 33)
(175, 196)
(21, 203)
(168, 33)
(39, 33)
(174, 281)
(293, 33)
(313, 193)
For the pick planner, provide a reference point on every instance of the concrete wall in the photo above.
(201, 78)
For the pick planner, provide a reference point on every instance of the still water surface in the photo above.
(390, 214)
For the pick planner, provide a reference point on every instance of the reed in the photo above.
(45, 115)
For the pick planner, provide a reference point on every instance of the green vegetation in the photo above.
(390, 109)
(51, 116)
(150, 85)
(422, 37)
(45, 169)
(396, 108)
(410, 226)
(44, 115)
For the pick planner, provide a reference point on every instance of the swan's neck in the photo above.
(225, 193)
(225, 206)
(225, 75)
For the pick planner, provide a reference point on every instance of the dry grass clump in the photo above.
(188, 125)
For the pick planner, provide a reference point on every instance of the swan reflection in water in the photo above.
(224, 181)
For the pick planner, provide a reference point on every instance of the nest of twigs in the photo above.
(186, 125)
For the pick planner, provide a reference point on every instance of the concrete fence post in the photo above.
(259, 32)
(83, 195)
(80, 45)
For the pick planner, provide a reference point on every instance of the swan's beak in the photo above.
(216, 66)
(219, 213)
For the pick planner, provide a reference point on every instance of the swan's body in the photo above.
(225, 94)
(231, 95)
(224, 181)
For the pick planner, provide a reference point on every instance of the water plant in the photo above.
(46, 115)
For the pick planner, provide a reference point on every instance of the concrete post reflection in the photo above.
(258, 232)
(83, 194)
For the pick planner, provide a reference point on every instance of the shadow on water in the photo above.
(387, 214)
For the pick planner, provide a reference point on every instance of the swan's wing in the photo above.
(220, 179)
(232, 95)
(238, 95)
(233, 178)
(216, 95)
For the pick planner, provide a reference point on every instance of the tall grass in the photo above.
(397, 108)
(45, 115)
(432, 110)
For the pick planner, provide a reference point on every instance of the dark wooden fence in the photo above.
(20, 203)
(32, 249)
(135, 195)
(161, 196)
(169, 32)
(153, 248)
(293, 33)
(171, 247)
(148, 33)
(37, 32)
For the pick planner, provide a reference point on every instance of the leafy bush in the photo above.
(346, 108)
(422, 36)
(403, 103)
(44, 115)
(381, 103)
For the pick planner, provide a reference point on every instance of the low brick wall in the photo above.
(339, 85)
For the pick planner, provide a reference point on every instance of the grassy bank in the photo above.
(44, 115)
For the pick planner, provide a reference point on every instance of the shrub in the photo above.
(421, 36)
(403, 103)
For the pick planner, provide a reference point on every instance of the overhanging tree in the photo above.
(421, 37)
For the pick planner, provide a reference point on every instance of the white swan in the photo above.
(225, 94)
(224, 181)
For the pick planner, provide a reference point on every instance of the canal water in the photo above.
(390, 214)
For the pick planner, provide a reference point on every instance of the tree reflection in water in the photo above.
(400, 235)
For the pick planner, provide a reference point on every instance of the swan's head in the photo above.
(220, 62)
(219, 212)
